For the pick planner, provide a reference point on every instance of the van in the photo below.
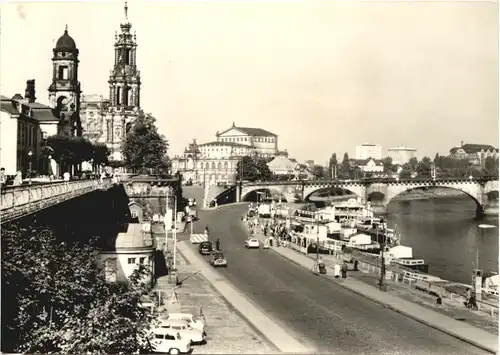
(166, 341)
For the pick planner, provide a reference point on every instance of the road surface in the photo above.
(318, 311)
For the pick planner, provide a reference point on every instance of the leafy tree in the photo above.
(60, 300)
(405, 174)
(318, 171)
(413, 164)
(491, 166)
(100, 154)
(144, 148)
(252, 169)
(387, 162)
(424, 167)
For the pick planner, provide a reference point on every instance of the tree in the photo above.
(387, 162)
(491, 166)
(144, 149)
(424, 167)
(413, 163)
(60, 300)
(345, 167)
(252, 169)
(318, 171)
(100, 154)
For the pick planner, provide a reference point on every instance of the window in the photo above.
(207, 166)
(109, 127)
(63, 72)
(142, 260)
(213, 165)
(131, 261)
(225, 165)
(159, 336)
(218, 166)
(134, 214)
(118, 95)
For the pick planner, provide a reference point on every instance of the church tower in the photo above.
(124, 89)
(65, 91)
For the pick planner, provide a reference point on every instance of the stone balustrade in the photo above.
(18, 201)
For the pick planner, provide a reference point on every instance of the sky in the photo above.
(323, 75)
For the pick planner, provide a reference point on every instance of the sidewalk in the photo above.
(461, 330)
(227, 332)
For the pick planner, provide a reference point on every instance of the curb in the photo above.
(244, 316)
(399, 310)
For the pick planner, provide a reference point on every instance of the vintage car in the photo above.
(205, 248)
(218, 259)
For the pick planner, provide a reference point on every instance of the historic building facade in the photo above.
(475, 154)
(108, 120)
(216, 162)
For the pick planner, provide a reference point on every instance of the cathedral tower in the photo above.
(124, 89)
(65, 91)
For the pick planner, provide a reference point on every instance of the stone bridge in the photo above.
(19, 201)
(380, 192)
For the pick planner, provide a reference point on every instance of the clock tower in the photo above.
(65, 91)
(124, 89)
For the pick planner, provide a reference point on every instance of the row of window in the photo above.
(247, 139)
(141, 260)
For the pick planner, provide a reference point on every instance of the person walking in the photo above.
(207, 232)
(217, 244)
(344, 270)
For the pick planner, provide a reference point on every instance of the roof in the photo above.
(227, 144)
(7, 106)
(44, 115)
(363, 162)
(281, 163)
(472, 148)
(65, 42)
(249, 131)
(133, 238)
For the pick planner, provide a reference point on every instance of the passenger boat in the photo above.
(403, 256)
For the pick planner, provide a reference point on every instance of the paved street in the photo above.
(321, 313)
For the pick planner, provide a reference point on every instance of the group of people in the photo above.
(217, 241)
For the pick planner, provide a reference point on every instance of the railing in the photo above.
(374, 180)
(18, 201)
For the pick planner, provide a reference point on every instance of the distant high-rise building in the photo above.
(365, 151)
(401, 154)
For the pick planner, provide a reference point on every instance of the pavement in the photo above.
(227, 331)
(322, 314)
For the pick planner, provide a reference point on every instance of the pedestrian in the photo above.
(439, 301)
(217, 244)
(207, 232)
(344, 270)
(18, 180)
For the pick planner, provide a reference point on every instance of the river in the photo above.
(445, 233)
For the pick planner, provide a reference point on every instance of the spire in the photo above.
(66, 29)
(126, 11)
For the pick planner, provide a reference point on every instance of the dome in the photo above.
(65, 42)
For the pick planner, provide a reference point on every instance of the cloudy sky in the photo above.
(323, 75)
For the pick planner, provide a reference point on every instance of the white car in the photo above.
(181, 326)
(167, 341)
(195, 322)
(252, 243)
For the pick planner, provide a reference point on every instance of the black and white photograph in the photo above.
(249, 177)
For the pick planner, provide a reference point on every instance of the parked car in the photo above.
(195, 322)
(252, 243)
(205, 248)
(176, 325)
(170, 342)
(192, 202)
(218, 259)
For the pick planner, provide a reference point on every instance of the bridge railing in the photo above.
(21, 200)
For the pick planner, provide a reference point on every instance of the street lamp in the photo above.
(168, 224)
(30, 154)
(476, 272)
(49, 170)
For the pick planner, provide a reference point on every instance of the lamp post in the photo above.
(49, 170)
(317, 237)
(476, 272)
(382, 261)
(30, 154)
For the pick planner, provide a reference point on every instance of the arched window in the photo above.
(213, 166)
(226, 165)
(201, 165)
(218, 166)
(207, 166)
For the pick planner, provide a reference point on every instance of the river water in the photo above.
(445, 233)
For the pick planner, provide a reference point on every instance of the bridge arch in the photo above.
(350, 191)
(471, 190)
(249, 194)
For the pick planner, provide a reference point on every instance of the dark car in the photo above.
(205, 248)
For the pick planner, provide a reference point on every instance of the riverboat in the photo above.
(403, 256)
(378, 230)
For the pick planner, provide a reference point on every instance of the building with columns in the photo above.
(108, 120)
(215, 162)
